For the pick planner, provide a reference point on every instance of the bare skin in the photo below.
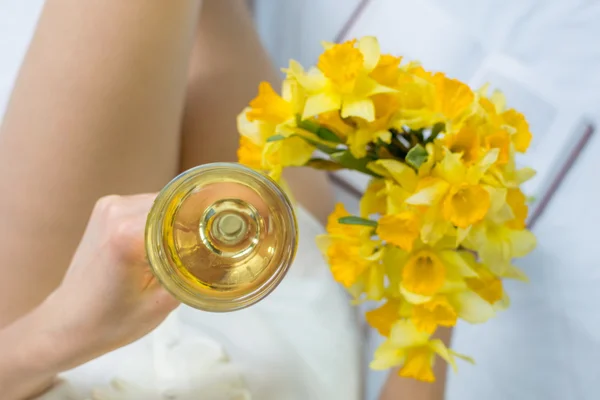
(113, 97)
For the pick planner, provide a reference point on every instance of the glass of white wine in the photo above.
(220, 237)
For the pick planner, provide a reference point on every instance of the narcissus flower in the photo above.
(443, 216)
(270, 115)
(413, 351)
(341, 80)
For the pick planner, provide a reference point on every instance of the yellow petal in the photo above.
(518, 204)
(413, 298)
(500, 140)
(334, 228)
(327, 45)
(387, 72)
(387, 356)
(522, 136)
(429, 194)
(321, 103)
(369, 47)
(434, 229)
(466, 142)
(249, 154)
(500, 212)
(404, 175)
(323, 242)
(313, 81)
(249, 129)
(399, 229)
(440, 349)
(358, 107)
(489, 159)
(471, 307)
(461, 234)
(395, 197)
(513, 272)
(453, 98)
(346, 263)
(294, 94)
(457, 266)
(427, 316)
(418, 365)
(358, 141)
(461, 356)
(524, 174)
(342, 63)
(424, 273)
(405, 334)
(373, 201)
(451, 168)
(269, 106)
(384, 317)
(522, 242)
(466, 204)
(375, 282)
(295, 151)
(368, 87)
(334, 122)
(393, 260)
(488, 287)
(499, 100)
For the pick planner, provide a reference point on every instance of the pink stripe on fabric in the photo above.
(544, 201)
(341, 36)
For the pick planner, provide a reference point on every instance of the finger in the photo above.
(139, 204)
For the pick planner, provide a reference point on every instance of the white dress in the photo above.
(300, 343)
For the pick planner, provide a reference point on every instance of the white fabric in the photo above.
(299, 343)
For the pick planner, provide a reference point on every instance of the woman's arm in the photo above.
(33, 351)
(96, 110)
(108, 299)
(228, 62)
(398, 388)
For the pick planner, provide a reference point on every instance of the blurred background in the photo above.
(545, 56)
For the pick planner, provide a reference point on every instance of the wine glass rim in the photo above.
(168, 274)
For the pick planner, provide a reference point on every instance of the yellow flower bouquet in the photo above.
(443, 216)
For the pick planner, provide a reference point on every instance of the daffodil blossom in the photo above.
(341, 80)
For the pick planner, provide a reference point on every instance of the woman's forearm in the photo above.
(33, 350)
(96, 110)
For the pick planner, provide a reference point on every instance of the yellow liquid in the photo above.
(221, 237)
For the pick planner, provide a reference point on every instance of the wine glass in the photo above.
(220, 237)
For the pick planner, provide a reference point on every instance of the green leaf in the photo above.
(328, 135)
(325, 149)
(275, 138)
(435, 131)
(322, 164)
(351, 220)
(307, 124)
(317, 129)
(416, 156)
(347, 160)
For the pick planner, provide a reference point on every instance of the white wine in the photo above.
(220, 237)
